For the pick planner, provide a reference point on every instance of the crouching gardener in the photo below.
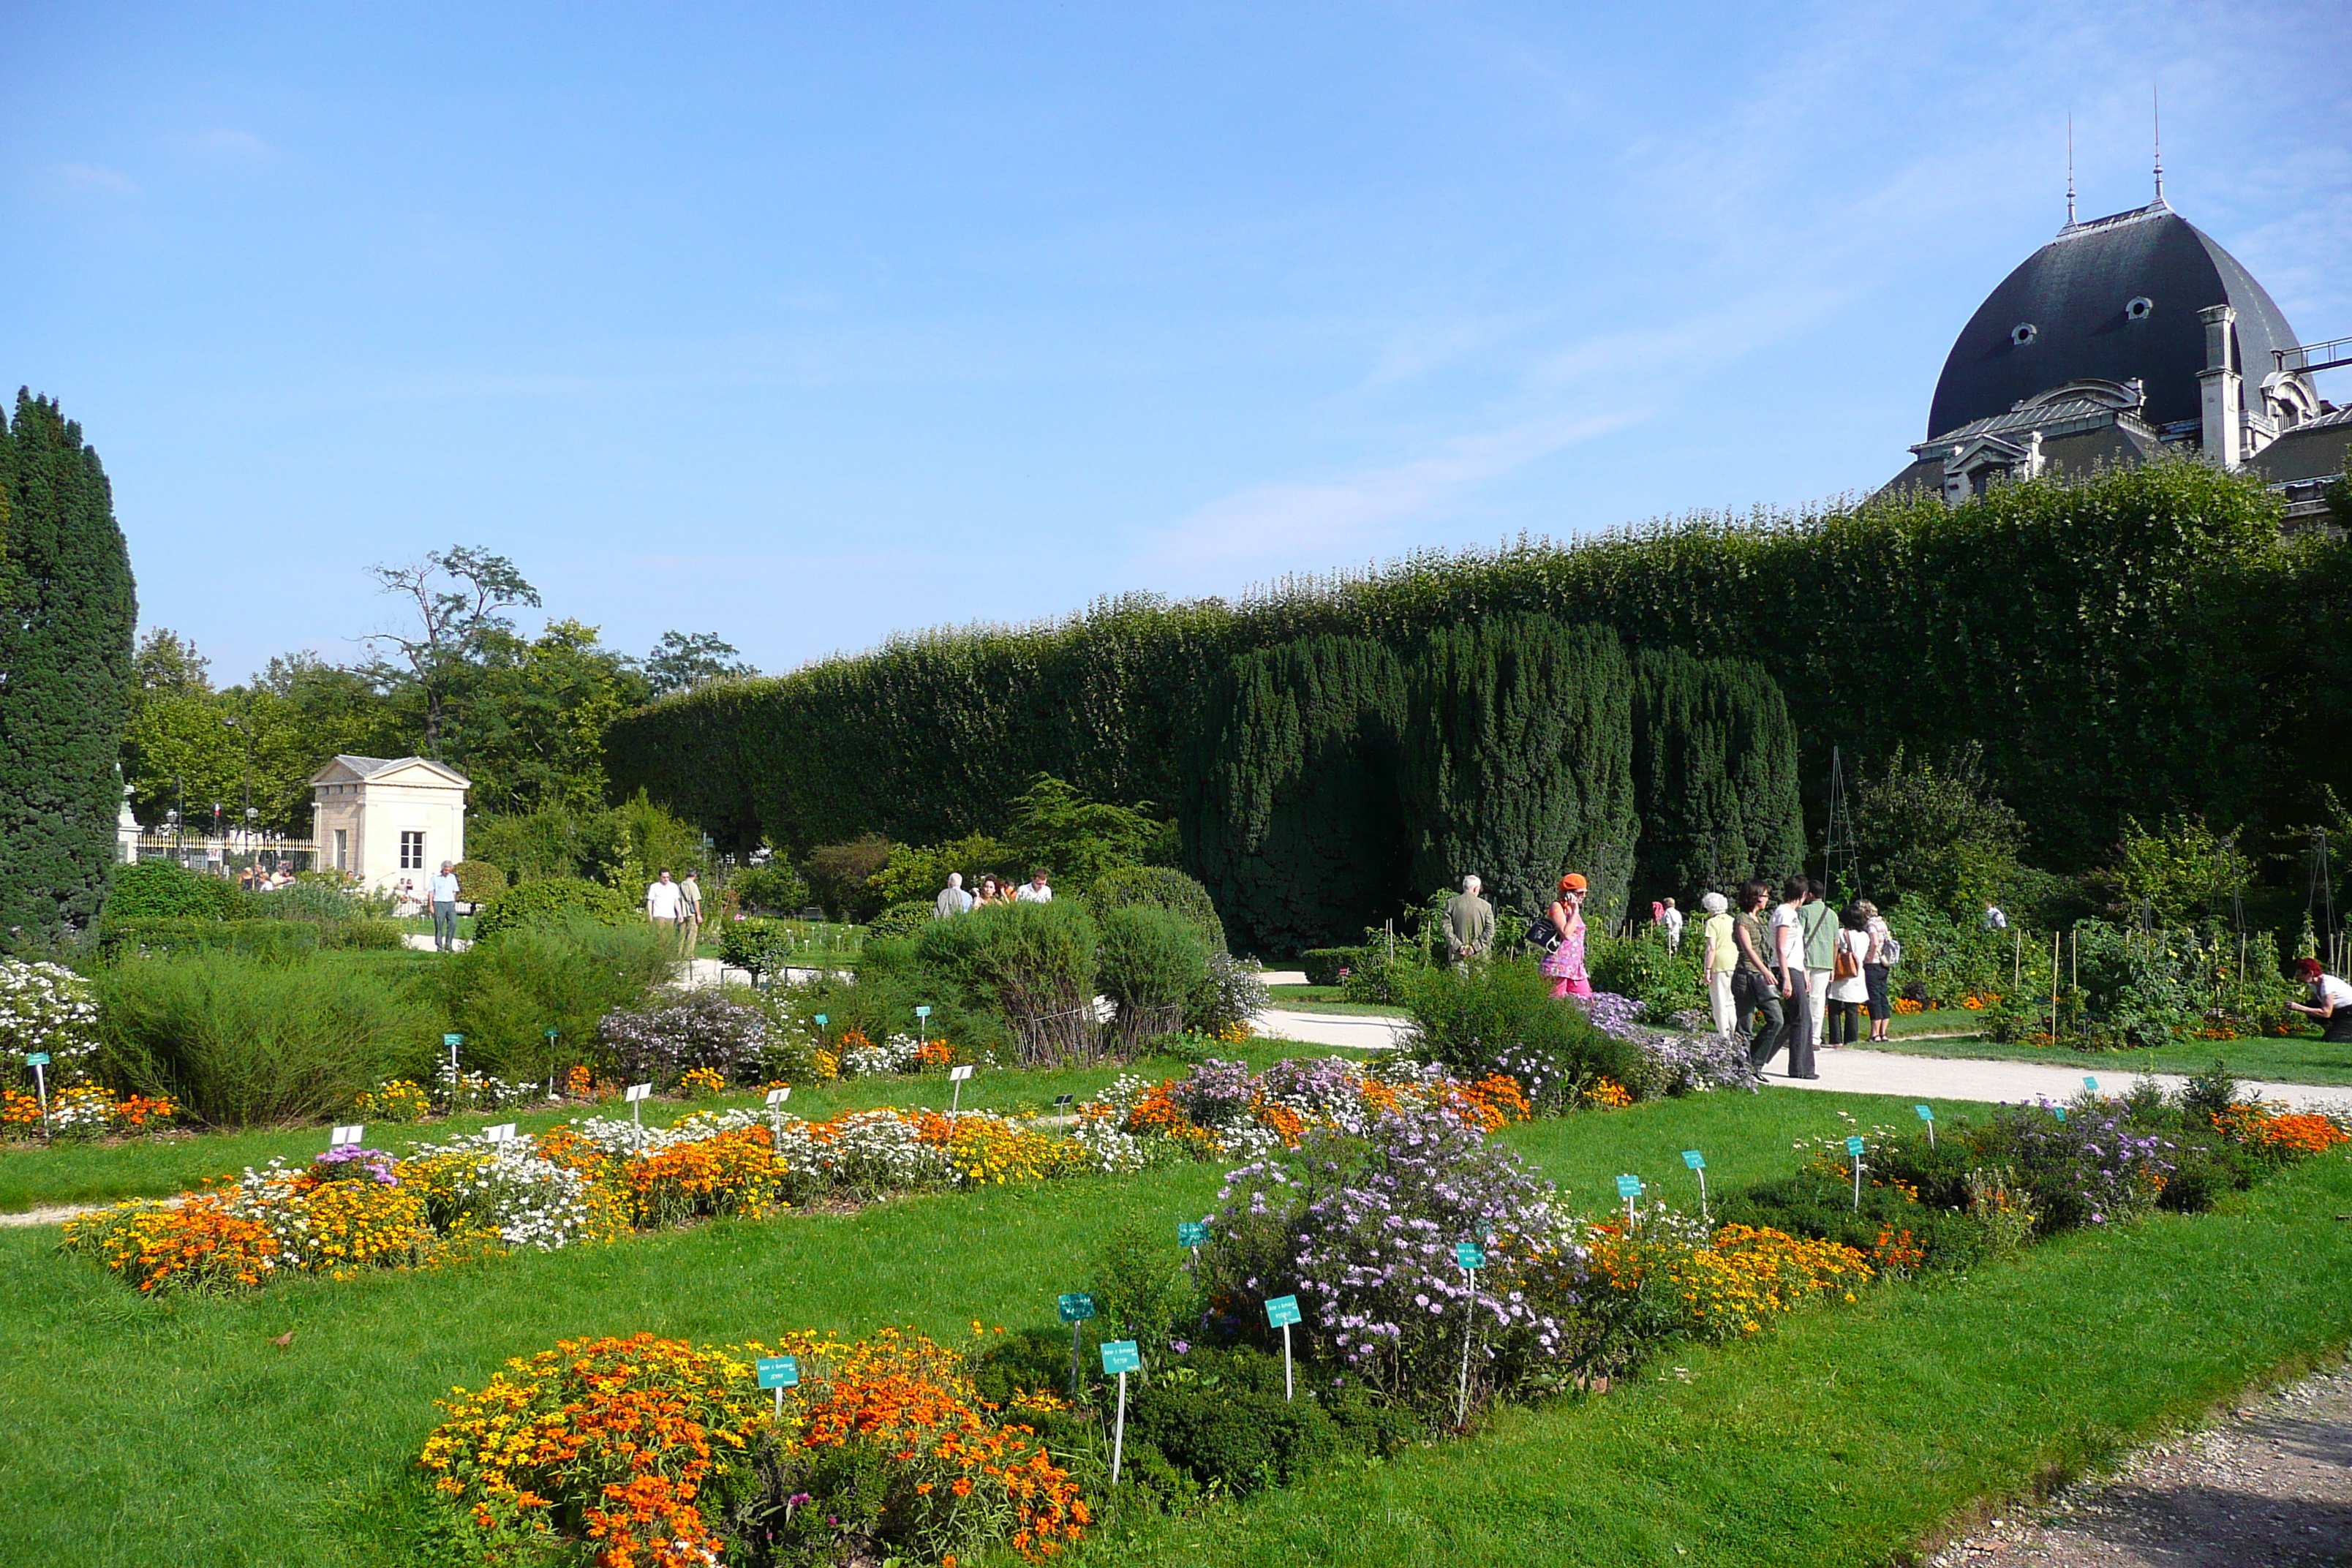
(2331, 999)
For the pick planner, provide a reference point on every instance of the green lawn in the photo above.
(1328, 999)
(150, 1433)
(2292, 1060)
(34, 1176)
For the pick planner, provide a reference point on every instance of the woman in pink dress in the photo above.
(1565, 963)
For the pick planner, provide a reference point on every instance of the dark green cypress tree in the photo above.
(1291, 811)
(68, 609)
(1518, 761)
(1714, 775)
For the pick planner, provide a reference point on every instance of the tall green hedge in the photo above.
(66, 612)
(1715, 772)
(1293, 815)
(1518, 760)
(2138, 641)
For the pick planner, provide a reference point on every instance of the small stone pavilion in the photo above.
(388, 820)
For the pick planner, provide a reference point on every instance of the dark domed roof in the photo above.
(2115, 299)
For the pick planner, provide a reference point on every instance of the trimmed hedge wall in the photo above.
(2138, 641)
(1715, 770)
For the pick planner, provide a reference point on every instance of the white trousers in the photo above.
(1718, 999)
(1816, 995)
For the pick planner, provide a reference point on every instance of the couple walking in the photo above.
(1558, 933)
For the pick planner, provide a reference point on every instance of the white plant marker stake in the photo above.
(1853, 1151)
(1697, 1163)
(776, 1098)
(39, 1062)
(1470, 1257)
(956, 1077)
(638, 1094)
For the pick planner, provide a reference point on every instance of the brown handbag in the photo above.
(1844, 967)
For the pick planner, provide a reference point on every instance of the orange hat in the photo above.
(1573, 883)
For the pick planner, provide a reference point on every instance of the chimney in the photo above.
(2220, 381)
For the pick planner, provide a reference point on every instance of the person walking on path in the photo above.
(1755, 990)
(441, 893)
(1719, 955)
(1565, 962)
(1673, 921)
(2331, 999)
(1848, 990)
(952, 898)
(1876, 967)
(1469, 923)
(1035, 890)
(689, 913)
(1819, 923)
(1788, 969)
(662, 905)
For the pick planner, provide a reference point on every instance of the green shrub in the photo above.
(1160, 887)
(1640, 966)
(160, 890)
(558, 900)
(479, 881)
(1714, 775)
(774, 887)
(324, 901)
(1501, 1016)
(1032, 965)
(757, 947)
(1231, 993)
(1143, 1290)
(244, 1042)
(841, 874)
(1323, 965)
(880, 1001)
(1223, 1419)
(507, 991)
(275, 942)
(1151, 963)
(903, 921)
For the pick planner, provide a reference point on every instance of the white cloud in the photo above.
(91, 177)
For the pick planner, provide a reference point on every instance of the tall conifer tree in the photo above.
(1714, 775)
(66, 612)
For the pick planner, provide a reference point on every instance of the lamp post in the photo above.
(245, 727)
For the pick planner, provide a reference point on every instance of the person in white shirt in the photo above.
(1035, 890)
(2331, 999)
(1673, 921)
(952, 898)
(1789, 968)
(441, 892)
(663, 903)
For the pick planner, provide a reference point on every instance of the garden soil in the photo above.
(2270, 1483)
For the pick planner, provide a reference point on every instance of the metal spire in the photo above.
(2155, 109)
(2069, 168)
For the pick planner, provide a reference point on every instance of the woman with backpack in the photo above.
(1565, 960)
(1883, 954)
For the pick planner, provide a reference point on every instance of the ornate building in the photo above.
(2122, 337)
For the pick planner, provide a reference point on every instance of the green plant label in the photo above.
(1281, 1311)
(2091, 1084)
(923, 1012)
(37, 1059)
(550, 1036)
(1120, 1356)
(2060, 1111)
(1854, 1147)
(1469, 1255)
(1694, 1159)
(780, 1372)
(453, 1041)
(778, 1096)
(343, 1137)
(1077, 1307)
(1629, 1186)
(1192, 1232)
(1062, 1101)
(822, 1020)
(1927, 1113)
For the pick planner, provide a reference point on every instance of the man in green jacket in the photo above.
(1469, 923)
(1818, 924)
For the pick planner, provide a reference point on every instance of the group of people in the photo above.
(676, 910)
(955, 899)
(254, 880)
(1807, 974)
(1558, 933)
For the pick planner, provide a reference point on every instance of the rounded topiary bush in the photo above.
(1152, 964)
(902, 919)
(554, 899)
(479, 881)
(159, 890)
(1160, 887)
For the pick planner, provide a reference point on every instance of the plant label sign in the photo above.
(1120, 1356)
(779, 1372)
(1469, 1255)
(1077, 1306)
(778, 1096)
(2060, 1111)
(37, 1059)
(1694, 1159)
(1628, 1188)
(1926, 1112)
(453, 1041)
(957, 1075)
(1854, 1147)
(923, 1012)
(344, 1137)
(502, 1133)
(1281, 1311)
(637, 1091)
(550, 1036)
(1192, 1232)
(1064, 1101)
(822, 1020)
(2091, 1084)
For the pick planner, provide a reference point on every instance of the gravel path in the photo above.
(2270, 1483)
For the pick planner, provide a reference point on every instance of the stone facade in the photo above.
(388, 820)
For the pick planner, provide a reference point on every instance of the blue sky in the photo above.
(805, 325)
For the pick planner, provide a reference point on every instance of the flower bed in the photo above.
(645, 1450)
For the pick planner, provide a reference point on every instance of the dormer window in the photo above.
(2023, 333)
(2141, 309)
